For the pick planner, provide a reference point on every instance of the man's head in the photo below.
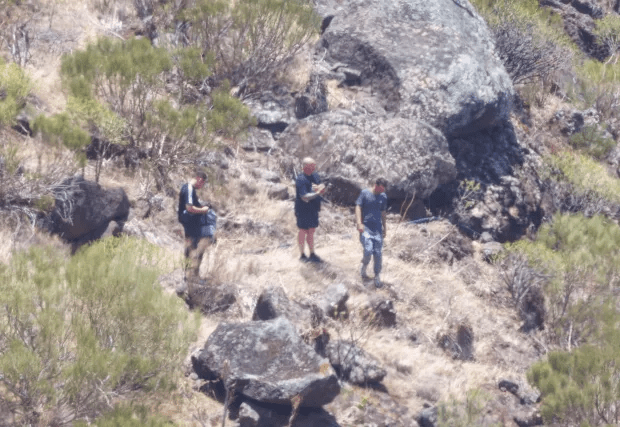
(200, 178)
(309, 165)
(380, 185)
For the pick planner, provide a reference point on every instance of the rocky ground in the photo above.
(437, 280)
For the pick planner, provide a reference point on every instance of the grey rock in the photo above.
(266, 175)
(259, 140)
(353, 364)
(459, 345)
(414, 55)
(411, 155)
(486, 237)
(579, 24)
(210, 299)
(274, 110)
(257, 414)
(314, 98)
(278, 192)
(334, 301)
(268, 362)
(490, 250)
(380, 312)
(273, 302)
(83, 210)
(427, 417)
(248, 416)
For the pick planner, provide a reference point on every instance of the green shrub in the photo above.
(252, 40)
(128, 416)
(128, 76)
(58, 130)
(586, 175)
(75, 334)
(117, 90)
(229, 116)
(592, 141)
(582, 387)
(581, 257)
(469, 412)
(14, 88)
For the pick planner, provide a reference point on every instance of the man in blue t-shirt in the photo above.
(198, 222)
(308, 190)
(370, 213)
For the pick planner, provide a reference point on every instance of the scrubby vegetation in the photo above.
(77, 334)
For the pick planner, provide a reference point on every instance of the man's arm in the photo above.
(194, 210)
(358, 218)
(317, 191)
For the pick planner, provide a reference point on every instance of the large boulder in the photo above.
(267, 361)
(433, 61)
(350, 149)
(83, 210)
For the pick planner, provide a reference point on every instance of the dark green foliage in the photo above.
(252, 40)
(59, 130)
(74, 333)
(128, 416)
(118, 90)
(14, 87)
(581, 257)
(582, 387)
(592, 141)
(229, 116)
(127, 76)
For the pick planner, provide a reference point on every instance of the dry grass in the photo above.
(259, 250)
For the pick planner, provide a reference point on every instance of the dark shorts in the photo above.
(307, 218)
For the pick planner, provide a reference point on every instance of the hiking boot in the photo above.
(314, 258)
(303, 258)
(378, 283)
(363, 272)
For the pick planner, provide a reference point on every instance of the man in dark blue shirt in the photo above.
(370, 215)
(198, 222)
(308, 189)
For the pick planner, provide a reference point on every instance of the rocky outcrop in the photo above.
(579, 23)
(413, 156)
(353, 364)
(431, 61)
(273, 303)
(267, 361)
(83, 210)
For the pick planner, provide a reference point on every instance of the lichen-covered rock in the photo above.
(267, 361)
(433, 61)
(411, 155)
(353, 364)
(83, 210)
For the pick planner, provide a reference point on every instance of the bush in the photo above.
(58, 130)
(128, 416)
(527, 38)
(469, 412)
(75, 334)
(585, 174)
(581, 258)
(127, 76)
(14, 88)
(592, 141)
(117, 90)
(253, 40)
(582, 387)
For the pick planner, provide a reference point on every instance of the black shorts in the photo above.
(307, 218)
